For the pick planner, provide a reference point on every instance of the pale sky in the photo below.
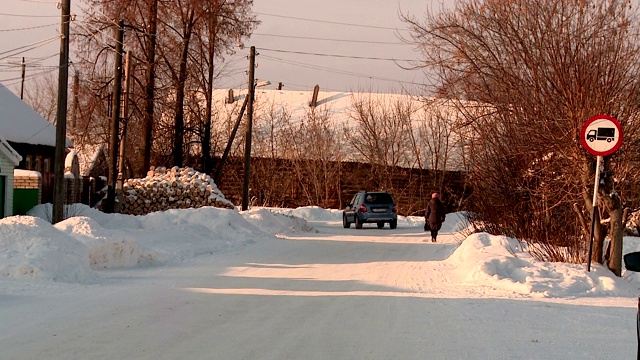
(339, 45)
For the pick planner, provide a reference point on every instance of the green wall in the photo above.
(24, 200)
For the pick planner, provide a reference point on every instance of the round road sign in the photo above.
(601, 135)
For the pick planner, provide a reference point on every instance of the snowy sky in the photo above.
(189, 283)
(339, 45)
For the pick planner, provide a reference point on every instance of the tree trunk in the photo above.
(206, 137)
(178, 150)
(613, 205)
(147, 139)
(616, 234)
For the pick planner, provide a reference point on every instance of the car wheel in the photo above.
(393, 224)
(358, 222)
(380, 225)
(345, 223)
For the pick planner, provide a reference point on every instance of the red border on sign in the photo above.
(583, 139)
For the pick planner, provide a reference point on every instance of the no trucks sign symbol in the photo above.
(601, 135)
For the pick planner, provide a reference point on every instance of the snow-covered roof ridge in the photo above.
(20, 123)
(88, 155)
(9, 152)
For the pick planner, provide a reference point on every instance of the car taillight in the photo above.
(394, 209)
(362, 209)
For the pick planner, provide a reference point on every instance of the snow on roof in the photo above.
(20, 123)
(339, 107)
(88, 154)
(297, 102)
(9, 152)
(26, 173)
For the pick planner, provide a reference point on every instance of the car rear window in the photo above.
(378, 198)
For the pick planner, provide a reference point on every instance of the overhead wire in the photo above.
(333, 40)
(30, 28)
(335, 71)
(25, 48)
(30, 15)
(95, 30)
(330, 22)
(321, 54)
(335, 55)
(8, 82)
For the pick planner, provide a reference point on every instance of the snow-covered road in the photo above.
(332, 294)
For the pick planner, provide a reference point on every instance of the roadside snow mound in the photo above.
(31, 248)
(108, 249)
(499, 262)
(274, 222)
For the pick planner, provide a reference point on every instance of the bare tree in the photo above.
(540, 69)
(225, 23)
(270, 145)
(41, 95)
(316, 147)
(379, 131)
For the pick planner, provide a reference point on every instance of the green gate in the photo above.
(2, 196)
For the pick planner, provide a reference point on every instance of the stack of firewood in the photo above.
(175, 188)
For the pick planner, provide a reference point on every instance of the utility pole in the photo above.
(125, 117)
(115, 121)
(24, 70)
(61, 116)
(247, 147)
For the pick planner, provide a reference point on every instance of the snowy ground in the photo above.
(293, 284)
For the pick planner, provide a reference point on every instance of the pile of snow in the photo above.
(501, 263)
(77, 249)
(88, 241)
(32, 248)
(274, 222)
(177, 188)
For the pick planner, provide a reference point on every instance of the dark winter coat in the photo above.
(435, 213)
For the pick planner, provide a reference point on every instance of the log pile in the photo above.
(175, 188)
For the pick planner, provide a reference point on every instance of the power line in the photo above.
(29, 28)
(335, 71)
(335, 55)
(28, 77)
(25, 48)
(337, 40)
(30, 16)
(330, 22)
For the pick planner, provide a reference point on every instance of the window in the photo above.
(28, 163)
(47, 165)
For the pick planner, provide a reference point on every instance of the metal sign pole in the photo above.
(595, 209)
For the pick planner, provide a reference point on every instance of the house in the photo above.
(9, 159)
(93, 166)
(31, 136)
(339, 110)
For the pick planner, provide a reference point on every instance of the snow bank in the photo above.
(499, 262)
(32, 248)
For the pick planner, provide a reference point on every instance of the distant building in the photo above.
(9, 159)
(31, 136)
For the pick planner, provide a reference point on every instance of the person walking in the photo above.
(435, 215)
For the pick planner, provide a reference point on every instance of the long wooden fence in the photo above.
(282, 183)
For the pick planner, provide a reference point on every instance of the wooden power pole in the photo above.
(247, 147)
(125, 118)
(61, 116)
(115, 121)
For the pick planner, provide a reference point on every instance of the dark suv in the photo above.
(371, 207)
